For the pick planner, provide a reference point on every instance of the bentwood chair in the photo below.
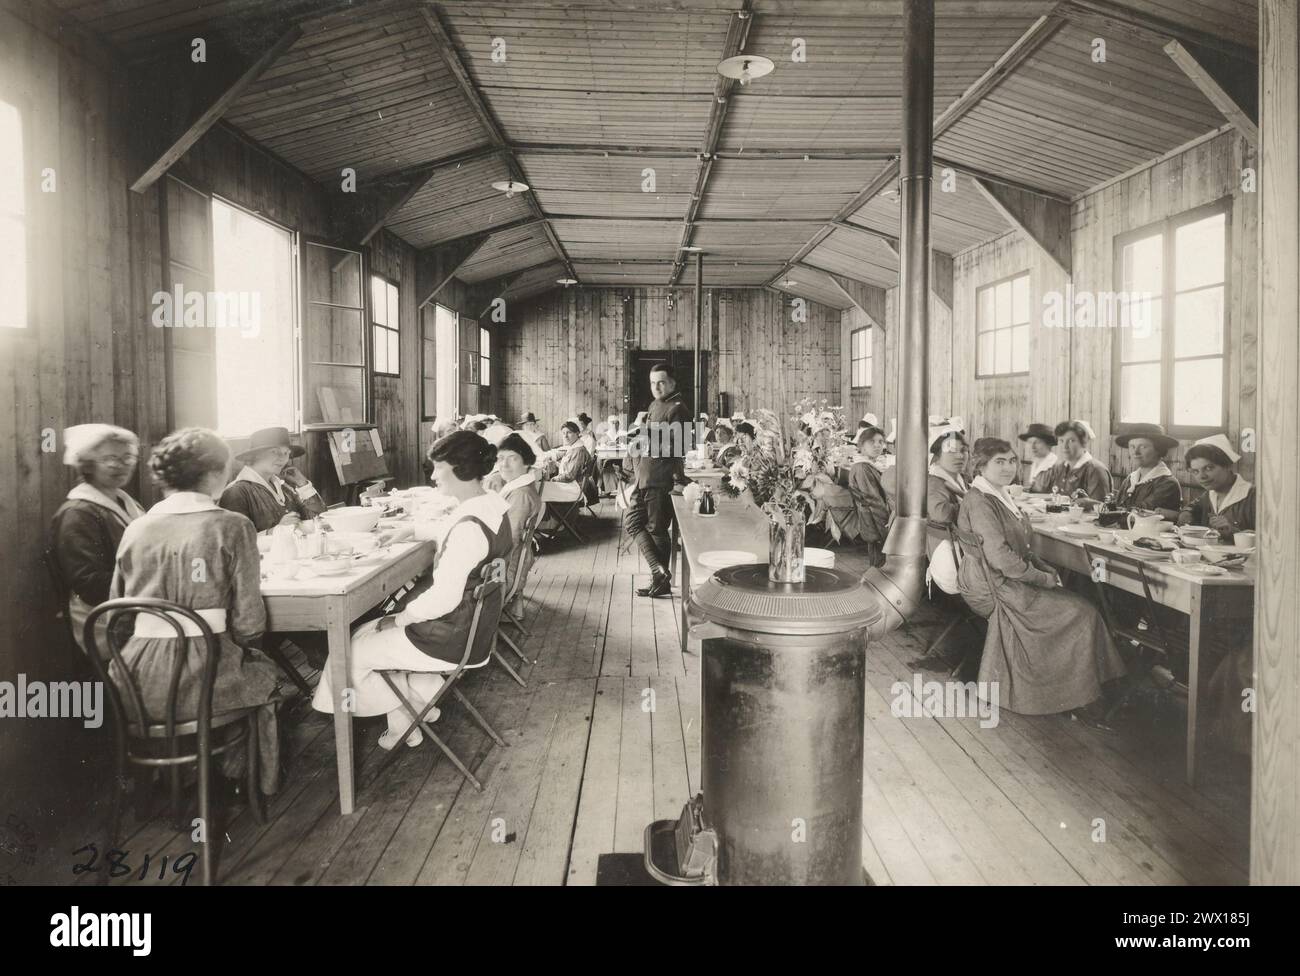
(138, 734)
(487, 597)
(961, 613)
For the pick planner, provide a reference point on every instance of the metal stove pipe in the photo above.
(899, 582)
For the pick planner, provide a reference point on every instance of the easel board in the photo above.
(365, 460)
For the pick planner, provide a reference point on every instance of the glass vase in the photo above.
(785, 550)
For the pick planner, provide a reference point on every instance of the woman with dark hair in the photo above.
(515, 460)
(1228, 504)
(744, 439)
(428, 635)
(1041, 440)
(88, 526)
(946, 486)
(190, 551)
(1151, 485)
(1047, 649)
(871, 512)
(1079, 475)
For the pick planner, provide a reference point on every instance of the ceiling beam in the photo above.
(981, 174)
(867, 298)
(447, 50)
(207, 102)
(1149, 28)
(1230, 85)
(737, 33)
(436, 266)
(677, 152)
(1044, 221)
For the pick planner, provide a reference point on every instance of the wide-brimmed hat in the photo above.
(1042, 432)
(1151, 432)
(269, 437)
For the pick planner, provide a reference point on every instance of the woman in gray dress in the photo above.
(189, 551)
(1047, 649)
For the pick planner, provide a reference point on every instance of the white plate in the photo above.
(1081, 530)
(1201, 569)
(823, 558)
(722, 558)
(1223, 550)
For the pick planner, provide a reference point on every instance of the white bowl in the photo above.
(353, 519)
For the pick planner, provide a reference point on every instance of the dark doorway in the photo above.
(638, 396)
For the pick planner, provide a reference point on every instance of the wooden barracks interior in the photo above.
(357, 167)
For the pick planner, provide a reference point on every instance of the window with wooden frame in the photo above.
(428, 362)
(446, 341)
(385, 326)
(14, 252)
(484, 357)
(469, 365)
(1002, 327)
(860, 358)
(1171, 354)
(335, 381)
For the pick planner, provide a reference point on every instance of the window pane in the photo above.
(985, 359)
(1139, 394)
(394, 350)
(1198, 323)
(484, 372)
(254, 345)
(1002, 350)
(866, 342)
(340, 387)
(1020, 349)
(12, 181)
(189, 226)
(1198, 393)
(1139, 324)
(378, 300)
(485, 343)
(429, 359)
(381, 349)
(986, 321)
(332, 275)
(393, 320)
(1142, 266)
(334, 335)
(1020, 299)
(1002, 303)
(1198, 253)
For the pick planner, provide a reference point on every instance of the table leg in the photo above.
(1197, 611)
(340, 665)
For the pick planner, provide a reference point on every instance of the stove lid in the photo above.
(829, 601)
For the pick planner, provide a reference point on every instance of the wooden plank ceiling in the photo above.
(604, 106)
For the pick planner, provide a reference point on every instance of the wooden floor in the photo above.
(590, 762)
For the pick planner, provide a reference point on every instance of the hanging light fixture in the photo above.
(692, 249)
(566, 282)
(510, 187)
(744, 68)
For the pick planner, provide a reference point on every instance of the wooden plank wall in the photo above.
(1070, 369)
(564, 351)
(1275, 782)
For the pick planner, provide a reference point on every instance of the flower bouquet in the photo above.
(787, 471)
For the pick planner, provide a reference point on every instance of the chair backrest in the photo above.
(483, 625)
(523, 559)
(970, 545)
(1123, 565)
(132, 715)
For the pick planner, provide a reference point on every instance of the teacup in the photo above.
(1244, 540)
(1015, 491)
(1106, 538)
(1184, 557)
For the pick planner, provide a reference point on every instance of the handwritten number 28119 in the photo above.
(115, 863)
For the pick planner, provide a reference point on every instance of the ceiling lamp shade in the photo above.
(692, 249)
(566, 282)
(510, 187)
(745, 67)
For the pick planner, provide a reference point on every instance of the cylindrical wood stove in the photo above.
(781, 733)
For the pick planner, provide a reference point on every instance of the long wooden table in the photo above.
(331, 604)
(738, 526)
(1204, 599)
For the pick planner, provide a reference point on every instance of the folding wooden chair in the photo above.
(482, 630)
(565, 511)
(136, 733)
(523, 563)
